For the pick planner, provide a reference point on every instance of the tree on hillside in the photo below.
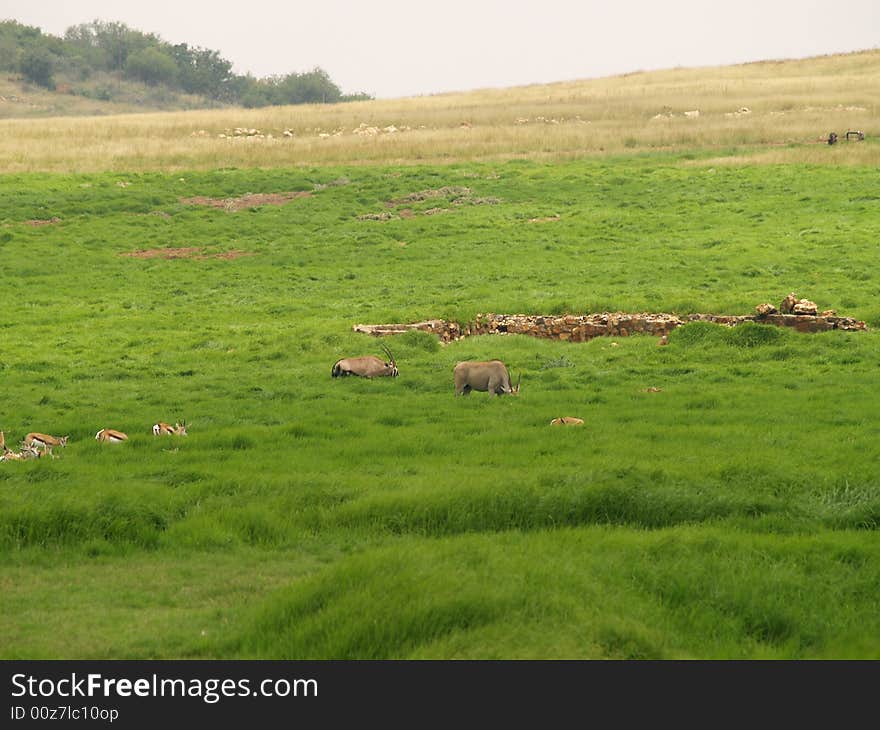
(114, 42)
(108, 51)
(151, 66)
(14, 38)
(312, 87)
(37, 65)
(201, 71)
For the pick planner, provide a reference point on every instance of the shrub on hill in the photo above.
(100, 48)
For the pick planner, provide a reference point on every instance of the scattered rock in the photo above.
(805, 306)
(802, 316)
(788, 303)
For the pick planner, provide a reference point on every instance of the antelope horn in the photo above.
(388, 352)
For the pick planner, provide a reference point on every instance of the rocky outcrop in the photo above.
(446, 331)
(800, 314)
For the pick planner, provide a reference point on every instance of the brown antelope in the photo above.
(161, 429)
(35, 440)
(492, 376)
(567, 421)
(110, 436)
(368, 366)
(27, 452)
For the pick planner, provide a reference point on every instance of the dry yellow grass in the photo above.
(777, 111)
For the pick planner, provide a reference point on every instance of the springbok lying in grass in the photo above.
(110, 436)
(25, 453)
(164, 429)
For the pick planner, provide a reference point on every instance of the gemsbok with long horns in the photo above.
(110, 436)
(165, 429)
(368, 366)
(491, 376)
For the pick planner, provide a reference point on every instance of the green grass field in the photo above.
(733, 513)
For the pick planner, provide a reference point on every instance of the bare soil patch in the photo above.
(250, 200)
(39, 222)
(187, 252)
(546, 219)
(455, 196)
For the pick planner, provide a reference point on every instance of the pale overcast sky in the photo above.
(393, 48)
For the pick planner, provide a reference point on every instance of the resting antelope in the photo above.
(567, 421)
(368, 366)
(162, 428)
(492, 376)
(34, 440)
(110, 436)
(27, 452)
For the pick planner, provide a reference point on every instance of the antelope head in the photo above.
(390, 363)
(515, 389)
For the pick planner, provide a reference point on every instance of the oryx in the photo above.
(368, 366)
(491, 376)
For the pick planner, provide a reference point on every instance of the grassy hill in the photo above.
(772, 111)
(19, 100)
(721, 500)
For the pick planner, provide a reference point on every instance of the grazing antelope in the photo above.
(162, 428)
(110, 436)
(567, 421)
(35, 440)
(492, 376)
(368, 366)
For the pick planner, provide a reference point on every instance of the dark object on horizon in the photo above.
(832, 138)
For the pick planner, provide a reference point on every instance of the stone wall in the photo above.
(583, 327)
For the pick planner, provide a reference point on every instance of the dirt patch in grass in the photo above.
(39, 222)
(454, 196)
(545, 219)
(251, 200)
(451, 192)
(188, 252)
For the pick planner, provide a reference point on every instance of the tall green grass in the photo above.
(721, 500)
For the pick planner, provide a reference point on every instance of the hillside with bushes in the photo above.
(102, 67)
